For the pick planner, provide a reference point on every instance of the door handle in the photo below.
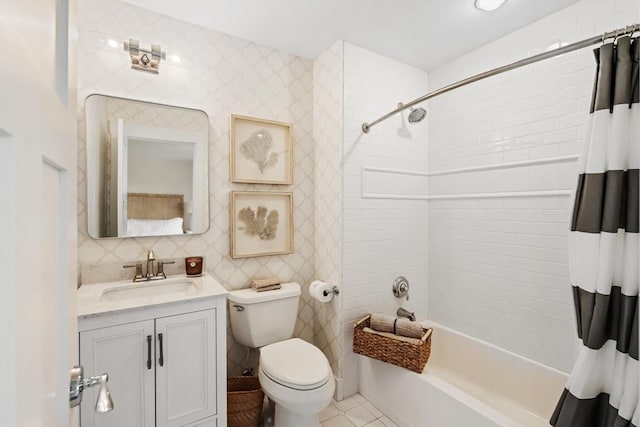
(161, 359)
(78, 383)
(148, 351)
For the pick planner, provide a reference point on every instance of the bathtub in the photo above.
(467, 382)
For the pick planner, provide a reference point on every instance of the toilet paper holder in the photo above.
(334, 290)
(323, 291)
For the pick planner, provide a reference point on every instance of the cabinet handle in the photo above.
(148, 351)
(161, 359)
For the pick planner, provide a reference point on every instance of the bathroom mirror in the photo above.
(147, 168)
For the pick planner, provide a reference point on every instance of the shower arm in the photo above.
(628, 30)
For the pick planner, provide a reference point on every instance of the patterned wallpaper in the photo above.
(220, 75)
(328, 80)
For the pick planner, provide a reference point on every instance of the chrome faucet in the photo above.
(150, 258)
(403, 312)
(150, 275)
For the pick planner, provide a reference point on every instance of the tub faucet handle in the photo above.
(401, 287)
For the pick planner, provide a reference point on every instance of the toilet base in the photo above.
(297, 408)
(269, 414)
(286, 418)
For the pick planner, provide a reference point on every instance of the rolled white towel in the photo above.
(382, 323)
(414, 341)
(407, 328)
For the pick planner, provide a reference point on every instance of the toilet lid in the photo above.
(295, 363)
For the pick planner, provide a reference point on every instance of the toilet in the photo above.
(294, 374)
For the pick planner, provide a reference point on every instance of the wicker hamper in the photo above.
(410, 356)
(244, 402)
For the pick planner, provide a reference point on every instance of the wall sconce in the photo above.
(142, 59)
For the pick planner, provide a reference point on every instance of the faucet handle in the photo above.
(161, 265)
(138, 267)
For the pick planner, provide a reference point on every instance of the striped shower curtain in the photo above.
(604, 251)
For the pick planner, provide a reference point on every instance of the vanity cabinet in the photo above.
(122, 351)
(185, 368)
(164, 365)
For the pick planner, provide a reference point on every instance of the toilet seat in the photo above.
(295, 364)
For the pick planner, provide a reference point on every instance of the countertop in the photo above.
(91, 301)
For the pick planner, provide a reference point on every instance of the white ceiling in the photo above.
(422, 33)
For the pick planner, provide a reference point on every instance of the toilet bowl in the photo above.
(296, 375)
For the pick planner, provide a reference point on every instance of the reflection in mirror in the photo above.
(147, 168)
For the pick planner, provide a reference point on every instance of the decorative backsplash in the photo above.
(227, 76)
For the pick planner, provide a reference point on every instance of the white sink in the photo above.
(108, 297)
(148, 289)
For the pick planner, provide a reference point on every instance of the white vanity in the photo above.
(163, 344)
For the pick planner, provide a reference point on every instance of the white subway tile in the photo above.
(498, 268)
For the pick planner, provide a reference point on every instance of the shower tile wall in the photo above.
(382, 239)
(222, 75)
(498, 266)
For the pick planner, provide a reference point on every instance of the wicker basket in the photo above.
(244, 402)
(410, 356)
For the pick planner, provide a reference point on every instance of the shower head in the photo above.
(417, 115)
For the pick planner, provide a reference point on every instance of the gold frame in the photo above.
(233, 169)
(233, 223)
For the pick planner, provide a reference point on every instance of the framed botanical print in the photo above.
(261, 151)
(261, 223)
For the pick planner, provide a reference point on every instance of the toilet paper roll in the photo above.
(320, 291)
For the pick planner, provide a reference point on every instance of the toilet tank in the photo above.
(263, 318)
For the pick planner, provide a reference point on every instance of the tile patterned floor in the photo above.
(353, 411)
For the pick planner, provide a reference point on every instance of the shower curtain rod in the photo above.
(628, 30)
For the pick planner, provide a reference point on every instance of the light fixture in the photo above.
(113, 43)
(142, 59)
(175, 58)
(489, 5)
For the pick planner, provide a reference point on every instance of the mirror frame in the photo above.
(90, 179)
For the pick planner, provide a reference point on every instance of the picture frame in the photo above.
(261, 151)
(261, 223)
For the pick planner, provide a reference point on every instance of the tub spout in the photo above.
(402, 312)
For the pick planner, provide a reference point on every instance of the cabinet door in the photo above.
(185, 368)
(123, 352)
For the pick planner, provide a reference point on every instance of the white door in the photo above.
(122, 169)
(38, 212)
(185, 368)
(126, 352)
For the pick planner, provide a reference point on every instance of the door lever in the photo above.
(79, 383)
